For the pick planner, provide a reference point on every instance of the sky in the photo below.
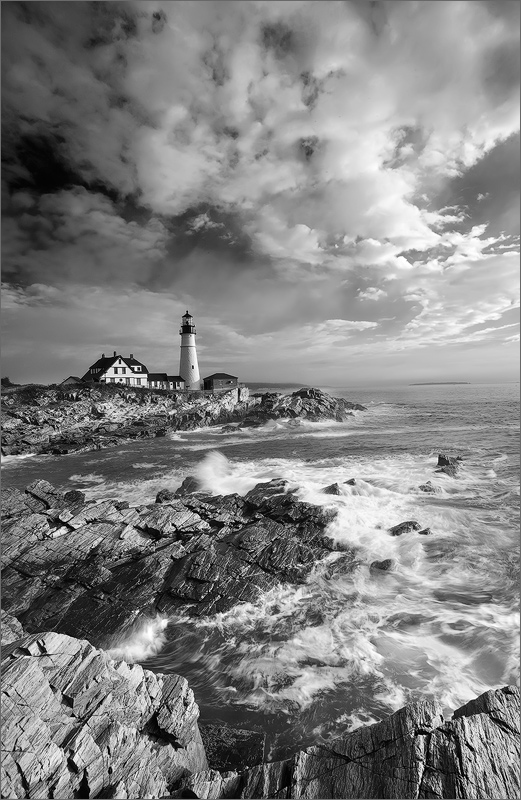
(330, 188)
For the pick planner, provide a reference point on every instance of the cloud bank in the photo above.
(317, 182)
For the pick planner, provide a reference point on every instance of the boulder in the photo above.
(333, 488)
(404, 527)
(386, 565)
(425, 532)
(190, 485)
(165, 496)
(448, 461)
(427, 487)
(351, 482)
(450, 469)
(11, 628)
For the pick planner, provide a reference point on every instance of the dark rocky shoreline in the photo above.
(78, 724)
(50, 420)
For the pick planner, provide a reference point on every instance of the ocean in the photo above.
(310, 662)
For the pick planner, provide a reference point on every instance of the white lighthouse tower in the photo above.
(188, 366)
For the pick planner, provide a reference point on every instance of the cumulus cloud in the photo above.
(276, 162)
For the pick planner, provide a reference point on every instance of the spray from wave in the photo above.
(146, 639)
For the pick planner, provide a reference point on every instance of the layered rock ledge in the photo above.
(90, 569)
(414, 753)
(60, 421)
(78, 724)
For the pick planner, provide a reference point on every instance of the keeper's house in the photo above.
(219, 382)
(118, 369)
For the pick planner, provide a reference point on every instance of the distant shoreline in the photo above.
(443, 383)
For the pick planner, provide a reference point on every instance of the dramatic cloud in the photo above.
(322, 184)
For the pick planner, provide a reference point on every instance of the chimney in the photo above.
(115, 354)
(131, 355)
(103, 355)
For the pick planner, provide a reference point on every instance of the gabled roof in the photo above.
(71, 378)
(176, 379)
(219, 375)
(103, 364)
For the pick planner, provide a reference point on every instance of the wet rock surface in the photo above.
(404, 527)
(230, 748)
(77, 724)
(448, 465)
(414, 753)
(90, 569)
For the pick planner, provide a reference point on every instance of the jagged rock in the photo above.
(190, 485)
(448, 461)
(404, 527)
(165, 496)
(169, 520)
(425, 532)
(384, 566)
(20, 533)
(76, 724)
(14, 503)
(92, 419)
(351, 482)
(11, 628)
(427, 487)
(230, 748)
(91, 573)
(333, 488)
(450, 469)
(413, 753)
(47, 493)
(311, 404)
(344, 565)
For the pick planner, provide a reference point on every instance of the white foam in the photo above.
(12, 460)
(90, 478)
(146, 639)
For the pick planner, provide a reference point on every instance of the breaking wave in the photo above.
(146, 639)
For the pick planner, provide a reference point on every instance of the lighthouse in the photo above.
(188, 366)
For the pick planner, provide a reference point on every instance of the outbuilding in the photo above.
(160, 380)
(220, 382)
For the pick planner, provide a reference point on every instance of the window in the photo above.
(127, 380)
(193, 366)
(138, 381)
(138, 369)
(123, 370)
(111, 380)
(115, 370)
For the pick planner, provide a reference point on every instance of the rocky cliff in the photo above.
(415, 753)
(60, 421)
(90, 569)
(78, 724)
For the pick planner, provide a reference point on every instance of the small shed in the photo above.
(219, 382)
